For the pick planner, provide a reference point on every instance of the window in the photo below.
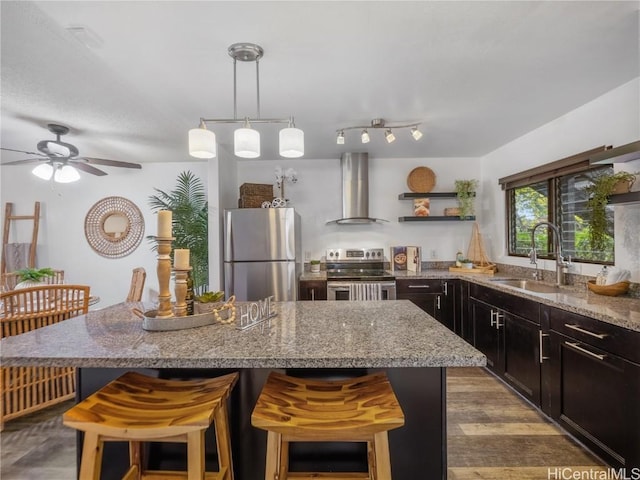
(554, 193)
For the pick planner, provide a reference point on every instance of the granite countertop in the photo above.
(621, 311)
(383, 334)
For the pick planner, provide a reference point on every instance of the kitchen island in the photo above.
(326, 339)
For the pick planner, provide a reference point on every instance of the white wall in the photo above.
(61, 240)
(612, 119)
(317, 197)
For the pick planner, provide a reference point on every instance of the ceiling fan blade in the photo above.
(25, 161)
(22, 151)
(85, 167)
(110, 163)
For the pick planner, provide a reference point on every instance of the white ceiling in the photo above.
(477, 74)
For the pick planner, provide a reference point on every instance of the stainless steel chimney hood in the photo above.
(355, 190)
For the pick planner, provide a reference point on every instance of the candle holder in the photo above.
(180, 308)
(164, 275)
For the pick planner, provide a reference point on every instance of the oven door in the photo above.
(340, 290)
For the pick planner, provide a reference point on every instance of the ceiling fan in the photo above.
(61, 160)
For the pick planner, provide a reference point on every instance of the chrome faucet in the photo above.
(562, 265)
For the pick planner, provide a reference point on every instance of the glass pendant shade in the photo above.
(291, 142)
(202, 143)
(66, 174)
(365, 136)
(246, 143)
(43, 171)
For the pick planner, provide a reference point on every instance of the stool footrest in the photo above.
(168, 475)
(331, 475)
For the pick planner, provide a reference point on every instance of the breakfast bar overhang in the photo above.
(305, 338)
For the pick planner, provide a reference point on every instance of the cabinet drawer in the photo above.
(416, 286)
(610, 338)
(522, 307)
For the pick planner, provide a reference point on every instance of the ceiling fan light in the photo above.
(58, 150)
(202, 143)
(43, 171)
(416, 134)
(340, 138)
(66, 174)
(291, 142)
(246, 143)
(365, 136)
(389, 136)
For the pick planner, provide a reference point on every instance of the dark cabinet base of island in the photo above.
(418, 446)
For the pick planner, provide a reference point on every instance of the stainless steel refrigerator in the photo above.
(262, 253)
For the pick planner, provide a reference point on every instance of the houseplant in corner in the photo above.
(188, 202)
(598, 191)
(465, 193)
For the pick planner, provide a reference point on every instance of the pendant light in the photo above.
(246, 141)
(202, 142)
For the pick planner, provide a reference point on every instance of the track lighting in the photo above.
(416, 134)
(379, 123)
(389, 136)
(202, 142)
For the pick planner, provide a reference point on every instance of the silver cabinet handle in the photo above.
(313, 294)
(419, 286)
(541, 335)
(496, 316)
(446, 285)
(584, 350)
(586, 332)
(438, 302)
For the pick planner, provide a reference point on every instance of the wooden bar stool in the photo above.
(361, 409)
(136, 408)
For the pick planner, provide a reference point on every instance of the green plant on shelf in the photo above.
(465, 193)
(602, 185)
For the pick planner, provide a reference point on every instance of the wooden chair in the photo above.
(9, 280)
(28, 389)
(136, 408)
(361, 409)
(137, 285)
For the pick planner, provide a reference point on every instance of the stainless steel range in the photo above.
(358, 273)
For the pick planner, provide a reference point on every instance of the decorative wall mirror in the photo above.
(114, 227)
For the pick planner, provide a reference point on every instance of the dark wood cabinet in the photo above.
(312, 290)
(594, 384)
(434, 296)
(510, 341)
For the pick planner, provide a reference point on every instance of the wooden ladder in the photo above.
(8, 218)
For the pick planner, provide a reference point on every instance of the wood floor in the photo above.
(493, 434)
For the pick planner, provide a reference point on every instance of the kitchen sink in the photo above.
(529, 285)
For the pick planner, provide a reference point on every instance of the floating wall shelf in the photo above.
(624, 198)
(431, 218)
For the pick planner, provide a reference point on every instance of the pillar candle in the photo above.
(165, 218)
(181, 258)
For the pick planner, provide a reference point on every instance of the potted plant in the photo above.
(315, 266)
(466, 263)
(188, 202)
(598, 191)
(32, 277)
(465, 193)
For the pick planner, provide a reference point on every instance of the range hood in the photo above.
(355, 190)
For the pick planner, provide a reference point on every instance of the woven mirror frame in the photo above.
(114, 227)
